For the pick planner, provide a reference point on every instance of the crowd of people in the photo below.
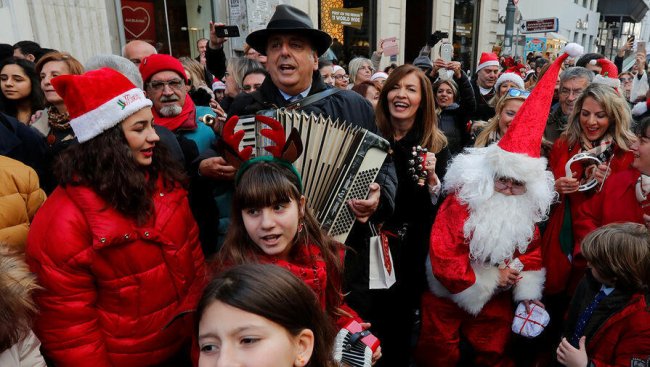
(511, 212)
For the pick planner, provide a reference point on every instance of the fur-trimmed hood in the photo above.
(16, 306)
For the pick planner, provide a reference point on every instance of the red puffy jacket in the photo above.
(114, 293)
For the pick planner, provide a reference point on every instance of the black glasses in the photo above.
(159, 85)
(337, 77)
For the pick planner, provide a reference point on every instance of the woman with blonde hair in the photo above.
(360, 70)
(506, 109)
(599, 126)
(406, 116)
(199, 91)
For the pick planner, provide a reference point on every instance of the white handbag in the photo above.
(381, 274)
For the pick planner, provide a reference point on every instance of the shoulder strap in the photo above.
(313, 98)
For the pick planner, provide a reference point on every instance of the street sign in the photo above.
(540, 25)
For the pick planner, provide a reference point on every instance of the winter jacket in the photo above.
(454, 118)
(616, 203)
(16, 311)
(22, 143)
(20, 197)
(483, 110)
(215, 61)
(115, 293)
(618, 332)
(564, 273)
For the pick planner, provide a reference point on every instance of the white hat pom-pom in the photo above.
(574, 49)
(639, 109)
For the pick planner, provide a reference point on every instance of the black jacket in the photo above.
(215, 61)
(22, 143)
(453, 119)
(483, 111)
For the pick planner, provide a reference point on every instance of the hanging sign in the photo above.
(351, 17)
(138, 21)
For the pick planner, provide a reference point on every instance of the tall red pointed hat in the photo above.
(524, 136)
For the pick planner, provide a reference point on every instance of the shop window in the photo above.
(355, 39)
(465, 28)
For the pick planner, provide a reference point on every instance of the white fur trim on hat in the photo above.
(486, 64)
(336, 68)
(471, 299)
(574, 49)
(610, 82)
(109, 114)
(530, 286)
(510, 77)
(640, 108)
(379, 74)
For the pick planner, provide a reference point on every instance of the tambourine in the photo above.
(582, 157)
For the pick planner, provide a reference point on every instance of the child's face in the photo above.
(229, 336)
(273, 228)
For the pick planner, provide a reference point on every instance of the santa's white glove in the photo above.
(640, 108)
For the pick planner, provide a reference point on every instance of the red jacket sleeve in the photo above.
(59, 252)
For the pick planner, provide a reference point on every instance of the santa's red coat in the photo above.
(563, 274)
(472, 286)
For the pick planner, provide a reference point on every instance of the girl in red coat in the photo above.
(115, 247)
(599, 126)
(609, 318)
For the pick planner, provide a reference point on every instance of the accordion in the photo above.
(354, 346)
(338, 163)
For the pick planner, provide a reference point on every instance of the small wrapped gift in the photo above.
(529, 324)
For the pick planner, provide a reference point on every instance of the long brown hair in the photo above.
(277, 295)
(267, 184)
(426, 121)
(106, 164)
(618, 112)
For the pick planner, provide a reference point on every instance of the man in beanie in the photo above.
(166, 85)
(487, 73)
(484, 247)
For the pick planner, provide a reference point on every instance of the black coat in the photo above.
(483, 111)
(453, 119)
(215, 61)
(22, 143)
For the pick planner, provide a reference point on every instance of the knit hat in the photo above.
(155, 63)
(524, 136)
(95, 109)
(423, 62)
(218, 84)
(487, 59)
(377, 75)
(510, 77)
(608, 73)
(336, 68)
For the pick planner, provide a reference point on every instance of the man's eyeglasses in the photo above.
(567, 92)
(516, 187)
(159, 85)
(625, 80)
(514, 92)
(339, 77)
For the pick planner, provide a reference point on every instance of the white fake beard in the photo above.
(500, 225)
(170, 111)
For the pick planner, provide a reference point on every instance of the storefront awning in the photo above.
(556, 36)
(629, 10)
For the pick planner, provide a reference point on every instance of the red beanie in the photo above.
(155, 63)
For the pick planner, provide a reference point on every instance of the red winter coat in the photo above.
(615, 203)
(115, 294)
(562, 274)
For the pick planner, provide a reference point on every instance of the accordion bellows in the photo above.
(338, 163)
(354, 346)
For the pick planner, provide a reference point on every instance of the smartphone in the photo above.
(630, 39)
(446, 51)
(226, 31)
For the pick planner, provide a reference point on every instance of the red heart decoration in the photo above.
(136, 20)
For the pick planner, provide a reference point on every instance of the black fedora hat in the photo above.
(288, 19)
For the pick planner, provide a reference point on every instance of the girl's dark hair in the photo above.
(267, 184)
(36, 96)
(106, 164)
(274, 293)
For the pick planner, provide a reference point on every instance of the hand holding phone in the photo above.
(223, 31)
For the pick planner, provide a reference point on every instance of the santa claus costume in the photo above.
(480, 230)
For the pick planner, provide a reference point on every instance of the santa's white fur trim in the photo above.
(487, 63)
(477, 295)
(610, 82)
(574, 49)
(530, 286)
(109, 114)
(510, 77)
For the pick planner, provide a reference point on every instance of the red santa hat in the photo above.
(98, 100)
(156, 63)
(518, 152)
(608, 73)
(487, 59)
